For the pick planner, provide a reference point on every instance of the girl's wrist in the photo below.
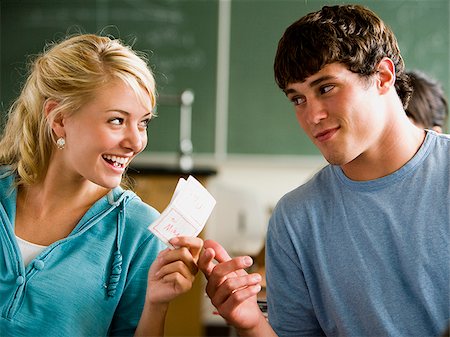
(156, 308)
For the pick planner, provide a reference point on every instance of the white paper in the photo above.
(187, 212)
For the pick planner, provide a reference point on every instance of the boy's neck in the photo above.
(397, 146)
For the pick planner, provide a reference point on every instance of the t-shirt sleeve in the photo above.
(290, 310)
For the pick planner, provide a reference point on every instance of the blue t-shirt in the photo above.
(91, 283)
(364, 258)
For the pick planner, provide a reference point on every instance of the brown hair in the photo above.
(428, 105)
(349, 34)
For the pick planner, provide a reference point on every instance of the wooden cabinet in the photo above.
(156, 187)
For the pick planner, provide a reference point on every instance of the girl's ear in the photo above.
(56, 121)
(386, 74)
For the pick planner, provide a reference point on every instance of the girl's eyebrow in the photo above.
(124, 112)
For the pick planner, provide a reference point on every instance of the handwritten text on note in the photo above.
(187, 212)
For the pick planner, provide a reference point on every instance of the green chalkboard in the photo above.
(182, 39)
(261, 120)
(179, 36)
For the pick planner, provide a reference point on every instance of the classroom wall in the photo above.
(221, 49)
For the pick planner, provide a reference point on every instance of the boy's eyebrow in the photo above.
(312, 84)
(289, 91)
(321, 79)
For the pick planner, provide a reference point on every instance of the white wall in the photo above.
(246, 189)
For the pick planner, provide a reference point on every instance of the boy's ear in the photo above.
(56, 121)
(386, 74)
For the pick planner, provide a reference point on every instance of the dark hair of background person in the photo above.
(428, 106)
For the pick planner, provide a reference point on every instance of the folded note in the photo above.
(187, 212)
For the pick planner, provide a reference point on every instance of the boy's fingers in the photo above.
(235, 284)
(221, 254)
(205, 262)
(233, 266)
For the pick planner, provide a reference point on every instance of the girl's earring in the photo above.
(60, 143)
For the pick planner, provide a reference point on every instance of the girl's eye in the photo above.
(298, 100)
(326, 88)
(116, 121)
(144, 123)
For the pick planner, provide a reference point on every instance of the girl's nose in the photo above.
(134, 139)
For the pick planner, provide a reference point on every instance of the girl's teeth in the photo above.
(117, 161)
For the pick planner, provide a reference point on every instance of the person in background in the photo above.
(428, 107)
(362, 249)
(76, 256)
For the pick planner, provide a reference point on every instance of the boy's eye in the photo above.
(326, 88)
(298, 100)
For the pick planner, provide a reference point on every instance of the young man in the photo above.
(362, 249)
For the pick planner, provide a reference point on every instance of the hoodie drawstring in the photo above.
(116, 266)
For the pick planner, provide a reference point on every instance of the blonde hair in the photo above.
(69, 73)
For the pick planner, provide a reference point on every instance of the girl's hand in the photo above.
(173, 271)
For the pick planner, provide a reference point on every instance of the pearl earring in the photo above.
(60, 143)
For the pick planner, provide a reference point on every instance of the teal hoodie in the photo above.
(91, 283)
